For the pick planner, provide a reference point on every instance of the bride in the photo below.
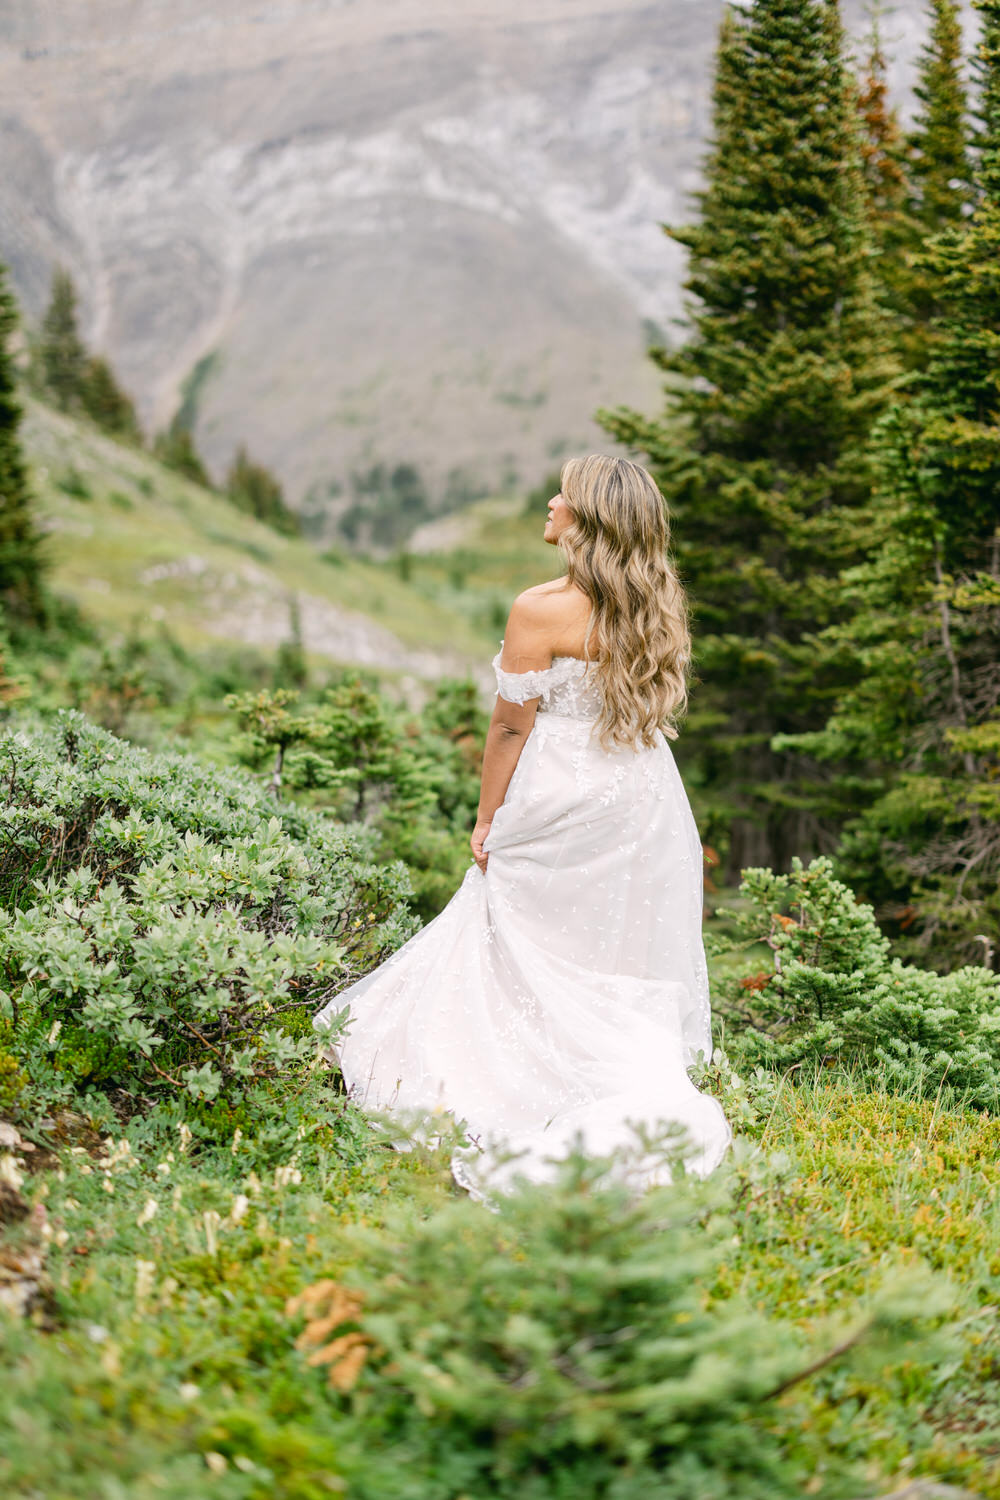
(561, 995)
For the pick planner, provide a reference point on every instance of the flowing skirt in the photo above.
(559, 998)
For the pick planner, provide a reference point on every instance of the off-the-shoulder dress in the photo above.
(560, 996)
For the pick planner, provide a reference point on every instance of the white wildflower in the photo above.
(240, 1205)
(145, 1275)
(149, 1209)
(211, 1220)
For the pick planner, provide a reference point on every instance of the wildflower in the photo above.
(217, 1462)
(109, 1186)
(185, 1135)
(149, 1209)
(237, 1137)
(188, 1391)
(163, 1167)
(211, 1220)
(96, 1333)
(9, 1172)
(145, 1274)
(240, 1205)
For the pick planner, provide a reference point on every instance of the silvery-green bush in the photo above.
(830, 991)
(167, 930)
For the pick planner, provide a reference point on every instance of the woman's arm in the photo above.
(527, 648)
(505, 739)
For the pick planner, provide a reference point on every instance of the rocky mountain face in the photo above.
(354, 233)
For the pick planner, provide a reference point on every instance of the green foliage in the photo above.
(74, 380)
(913, 737)
(566, 1347)
(254, 489)
(833, 993)
(13, 1079)
(168, 936)
(940, 186)
(886, 184)
(105, 403)
(21, 561)
(761, 452)
(60, 354)
(415, 781)
(388, 505)
(177, 1256)
(940, 168)
(176, 449)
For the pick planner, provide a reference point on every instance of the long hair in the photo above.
(637, 636)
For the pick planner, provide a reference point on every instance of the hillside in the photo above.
(131, 542)
(354, 234)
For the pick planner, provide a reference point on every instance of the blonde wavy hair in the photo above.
(616, 552)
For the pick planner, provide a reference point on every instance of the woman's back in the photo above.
(563, 991)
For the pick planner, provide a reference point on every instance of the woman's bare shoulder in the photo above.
(544, 621)
(557, 599)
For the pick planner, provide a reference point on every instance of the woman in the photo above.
(563, 992)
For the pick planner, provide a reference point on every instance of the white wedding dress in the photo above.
(558, 998)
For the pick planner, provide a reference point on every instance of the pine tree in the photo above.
(20, 544)
(941, 191)
(761, 455)
(884, 175)
(883, 145)
(61, 356)
(254, 489)
(919, 733)
(175, 448)
(104, 401)
(939, 140)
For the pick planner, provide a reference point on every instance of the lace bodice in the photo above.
(564, 688)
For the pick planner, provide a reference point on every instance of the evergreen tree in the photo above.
(941, 170)
(61, 356)
(761, 455)
(919, 734)
(883, 168)
(20, 549)
(883, 146)
(254, 489)
(941, 191)
(106, 403)
(175, 448)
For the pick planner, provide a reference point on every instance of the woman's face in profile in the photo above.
(559, 518)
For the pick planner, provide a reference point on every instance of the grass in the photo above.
(495, 551)
(167, 1366)
(130, 540)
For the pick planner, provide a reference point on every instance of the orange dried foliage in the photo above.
(327, 1305)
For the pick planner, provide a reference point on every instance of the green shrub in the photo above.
(832, 992)
(414, 780)
(167, 934)
(12, 1076)
(566, 1347)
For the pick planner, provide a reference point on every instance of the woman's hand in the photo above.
(479, 834)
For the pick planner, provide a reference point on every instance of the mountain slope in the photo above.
(133, 543)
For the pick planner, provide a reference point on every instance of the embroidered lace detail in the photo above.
(563, 994)
(565, 688)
